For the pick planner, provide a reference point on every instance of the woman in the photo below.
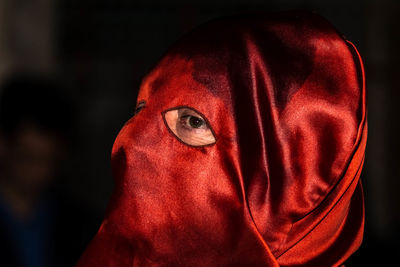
(246, 150)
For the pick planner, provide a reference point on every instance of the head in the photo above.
(34, 128)
(246, 150)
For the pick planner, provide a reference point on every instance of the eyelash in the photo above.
(139, 107)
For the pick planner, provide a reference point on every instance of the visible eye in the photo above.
(139, 107)
(189, 126)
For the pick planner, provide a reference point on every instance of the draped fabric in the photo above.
(284, 94)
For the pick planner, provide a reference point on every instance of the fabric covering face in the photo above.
(284, 95)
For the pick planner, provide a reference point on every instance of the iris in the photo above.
(195, 122)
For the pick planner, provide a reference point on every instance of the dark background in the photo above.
(99, 51)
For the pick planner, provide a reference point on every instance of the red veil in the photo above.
(284, 95)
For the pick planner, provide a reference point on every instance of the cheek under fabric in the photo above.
(285, 97)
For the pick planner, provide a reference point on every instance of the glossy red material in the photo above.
(285, 96)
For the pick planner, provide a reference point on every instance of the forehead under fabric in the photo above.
(226, 54)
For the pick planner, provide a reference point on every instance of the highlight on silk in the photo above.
(229, 133)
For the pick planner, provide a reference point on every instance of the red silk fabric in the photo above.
(285, 97)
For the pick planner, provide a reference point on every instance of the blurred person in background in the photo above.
(39, 226)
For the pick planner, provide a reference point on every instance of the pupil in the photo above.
(195, 122)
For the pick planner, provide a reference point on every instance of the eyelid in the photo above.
(189, 112)
(199, 137)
